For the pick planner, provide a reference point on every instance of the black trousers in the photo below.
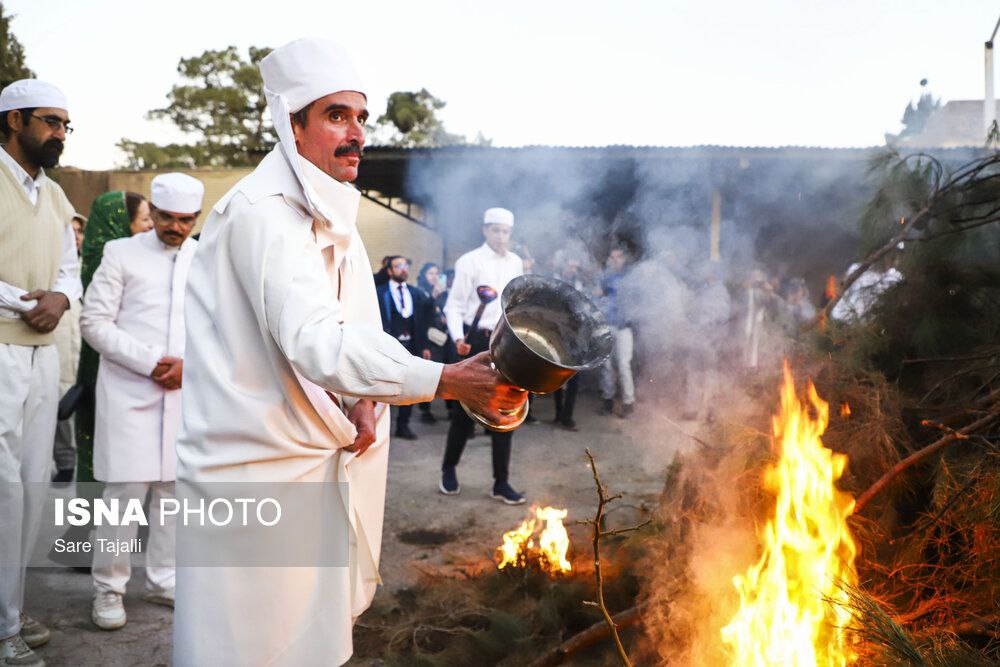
(565, 399)
(462, 428)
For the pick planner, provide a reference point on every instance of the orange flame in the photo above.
(519, 546)
(831, 287)
(845, 409)
(792, 608)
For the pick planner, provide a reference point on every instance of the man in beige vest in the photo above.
(38, 281)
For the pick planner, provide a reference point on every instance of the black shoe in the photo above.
(503, 492)
(405, 432)
(530, 419)
(627, 410)
(63, 476)
(449, 482)
(607, 407)
(568, 424)
(428, 418)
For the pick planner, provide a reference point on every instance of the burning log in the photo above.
(589, 637)
(519, 548)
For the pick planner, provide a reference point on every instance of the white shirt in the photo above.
(864, 292)
(68, 280)
(404, 303)
(478, 267)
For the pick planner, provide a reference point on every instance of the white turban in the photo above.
(31, 93)
(297, 74)
(498, 216)
(177, 193)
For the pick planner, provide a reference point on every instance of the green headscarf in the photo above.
(108, 221)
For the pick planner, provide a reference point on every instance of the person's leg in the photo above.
(160, 557)
(557, 398)
(501, 456)
(623, 346)
(15, 365)
(38, 432)
(112, 571)
(459, 432)
(569, 399)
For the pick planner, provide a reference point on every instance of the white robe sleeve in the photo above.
(458, 298)
(11, 305)
(100, 310)
(68, 280)
(302, 314)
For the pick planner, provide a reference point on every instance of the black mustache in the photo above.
(54, 144)
(353, 148)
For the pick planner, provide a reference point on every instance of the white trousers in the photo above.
(112, 571)
(617, 370)
(29, 398)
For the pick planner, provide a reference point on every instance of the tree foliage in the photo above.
(413, 117)
(12, 65)
(221, 103)
(915, 116)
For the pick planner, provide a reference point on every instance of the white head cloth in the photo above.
(177, 193)
(295, 75)
(31, 93)
(498, 216)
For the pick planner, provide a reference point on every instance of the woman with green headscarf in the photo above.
(113, 215)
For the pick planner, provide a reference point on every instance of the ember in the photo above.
(519, 546)
(789, 600)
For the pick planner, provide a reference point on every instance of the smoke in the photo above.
(709, 322)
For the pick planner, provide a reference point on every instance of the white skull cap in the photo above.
(498, 216)
(177, 193)
(31, 93)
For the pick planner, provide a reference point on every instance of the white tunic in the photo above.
(133, 314)
(478, 267)
(280, 309)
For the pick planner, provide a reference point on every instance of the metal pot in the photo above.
(549, 331)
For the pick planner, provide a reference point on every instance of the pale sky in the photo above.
(668, 72)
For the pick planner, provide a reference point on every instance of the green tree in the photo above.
(221, 104)
(413, 116)
(12, 65)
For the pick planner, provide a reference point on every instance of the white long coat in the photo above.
(281, 308)
(133, 314)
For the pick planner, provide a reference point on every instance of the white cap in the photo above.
(295, 75)
(177, 193)
(498, 216)
(31, 93)
(307, 69)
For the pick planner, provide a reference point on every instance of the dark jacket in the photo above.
(423, 314)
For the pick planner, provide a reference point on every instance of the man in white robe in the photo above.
(133, 316)
(286, 362)
(39, 278)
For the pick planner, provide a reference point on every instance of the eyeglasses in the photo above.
(55, 122)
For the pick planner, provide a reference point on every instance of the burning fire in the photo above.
(790, 601)
(519, 544)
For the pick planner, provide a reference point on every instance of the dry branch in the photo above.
(583, 640)
(602, 500)
(920, 455)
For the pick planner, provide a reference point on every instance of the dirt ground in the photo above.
(424, 530)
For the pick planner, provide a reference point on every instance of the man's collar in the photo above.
(19, 172)
(487, 248)
(396, 281)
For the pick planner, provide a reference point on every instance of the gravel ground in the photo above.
(424, 531)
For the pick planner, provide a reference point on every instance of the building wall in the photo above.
(384, 232)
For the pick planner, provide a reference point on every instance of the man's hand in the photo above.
(168, 372)
(362, 415)
(426, 354)
(476, 383)
(462, 347)
(44, 317)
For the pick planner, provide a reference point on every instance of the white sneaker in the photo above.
(108, 612)
(15, 653)
(161, 596)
